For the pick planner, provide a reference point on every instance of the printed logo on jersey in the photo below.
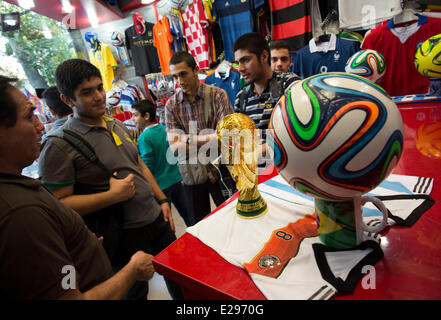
(283, 245)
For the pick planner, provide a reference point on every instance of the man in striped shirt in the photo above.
(264, 87)
(194, 108)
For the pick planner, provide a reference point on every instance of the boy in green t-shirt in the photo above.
(154, 149)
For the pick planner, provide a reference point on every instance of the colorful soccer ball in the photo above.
(428, 57)
(113, 99)
(369, 64)
(116, 39)
(336, 136)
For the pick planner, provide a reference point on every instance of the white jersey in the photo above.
(281, 250)
(366, 13)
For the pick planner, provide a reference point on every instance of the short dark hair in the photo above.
(183, 56)
(145, 106)
(71, 73)
(52, 97)
(8, 107)
(254, 42)
(279, 44)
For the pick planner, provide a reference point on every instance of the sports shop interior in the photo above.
(330, 187)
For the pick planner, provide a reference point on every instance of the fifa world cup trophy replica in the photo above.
(237, 137)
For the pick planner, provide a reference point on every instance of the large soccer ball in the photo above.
(428, 57)
(336, 136)
(369, 64)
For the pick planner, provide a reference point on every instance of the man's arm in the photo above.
(157, 192)
(140, 268)
(119, 190)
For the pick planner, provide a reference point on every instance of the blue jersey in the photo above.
(326, 57)
(235, 19)
(229, 81)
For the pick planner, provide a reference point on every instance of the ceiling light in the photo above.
(66, 6)
(147, 1)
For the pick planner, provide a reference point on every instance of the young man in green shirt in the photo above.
(155, 151)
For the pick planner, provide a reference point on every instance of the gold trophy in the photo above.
(237, 137)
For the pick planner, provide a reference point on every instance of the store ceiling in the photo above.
(80, 17)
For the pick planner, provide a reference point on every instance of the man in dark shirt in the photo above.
(47, 252)
(264, 86)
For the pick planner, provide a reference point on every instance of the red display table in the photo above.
(410, 268)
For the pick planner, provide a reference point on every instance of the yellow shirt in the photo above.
(104, 61)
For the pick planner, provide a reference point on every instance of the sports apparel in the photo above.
(291, 21)
(324, 57)
(281, 250)
(103, 59)
(176, 28)
(229, 81)
(195, 31)
(161, 40)
(398, 46)
(40, 236)
(236, 17)
(144, 54)
(366, 13)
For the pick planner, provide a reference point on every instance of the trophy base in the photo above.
(250, 209)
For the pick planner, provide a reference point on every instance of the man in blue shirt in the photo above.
(155, 151)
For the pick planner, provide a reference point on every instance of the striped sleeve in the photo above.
(237, 101)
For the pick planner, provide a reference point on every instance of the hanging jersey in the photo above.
(229, 81)
(398, 46)
(162, 39)
(123, 55)
(332, 56)
(366, 13)
(291, 21)
(195, 31)
(144, 54)
(103, 59)
(235, 18)
(281, 250)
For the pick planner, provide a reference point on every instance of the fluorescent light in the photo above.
(91, 13)
(66, 6)
(26, 4)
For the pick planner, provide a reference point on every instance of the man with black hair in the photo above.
(87, 188)
(281, 60)
(264, 86)
(155, 151)
(46, 251)
(57, 107)
(194, 108)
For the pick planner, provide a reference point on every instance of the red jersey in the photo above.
(398, 46)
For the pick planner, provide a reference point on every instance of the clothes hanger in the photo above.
(326, 37)
(406, 17)
(224, 66)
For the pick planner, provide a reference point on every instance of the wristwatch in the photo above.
(164, 201)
